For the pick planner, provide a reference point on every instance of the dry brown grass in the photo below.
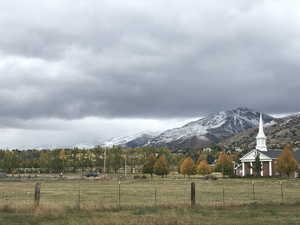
(98, 194)
(166, 215)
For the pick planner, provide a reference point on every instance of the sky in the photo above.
(80, 72)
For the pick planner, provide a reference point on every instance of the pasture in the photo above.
(253, 214)
(173, 191)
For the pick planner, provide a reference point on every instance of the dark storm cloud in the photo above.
(147, 59)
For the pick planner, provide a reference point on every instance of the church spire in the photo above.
(261, 138)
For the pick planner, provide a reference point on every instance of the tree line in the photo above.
(148, 160)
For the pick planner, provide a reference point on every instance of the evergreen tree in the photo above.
(10, 161)
(149, 164)
(257, 165)
(210, 159)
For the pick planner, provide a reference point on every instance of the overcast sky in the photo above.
(83, 71)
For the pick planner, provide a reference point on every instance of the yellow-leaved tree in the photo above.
(203, 168)
(286, 163)
(187, 167)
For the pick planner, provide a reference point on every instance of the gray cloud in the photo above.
(146, 59)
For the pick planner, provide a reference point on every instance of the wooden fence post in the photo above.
(37, 194)
(223, 196)
(253, 190)
(281, 188)
(79, 199)
(155, 196)
(119, 197)
(193, 194)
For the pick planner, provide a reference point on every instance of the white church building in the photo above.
(267, 157)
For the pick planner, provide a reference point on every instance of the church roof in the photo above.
(273, 154)
(250, 156)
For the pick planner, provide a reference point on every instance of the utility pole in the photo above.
(104, 161)
(125, 165)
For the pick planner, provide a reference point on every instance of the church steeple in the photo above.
(261, 139)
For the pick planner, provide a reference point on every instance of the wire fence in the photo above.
(115, 193)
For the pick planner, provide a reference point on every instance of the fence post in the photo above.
(79, 198)
(193, 194)
(155, 196)
(119, 195)
(37, 194)
(185, 191)
(223, 196)
(281, 188)
(253, 190)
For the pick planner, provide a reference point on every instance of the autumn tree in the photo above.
(224, 164)
(149, 164)
(203, 168)
(286, 163)
(161, 166)
(187, 167)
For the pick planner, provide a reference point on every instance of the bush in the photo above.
(210, 177)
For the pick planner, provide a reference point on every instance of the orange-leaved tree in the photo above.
(286, 163)
(161, 166)
(224, 164)
(203, 168)
(187, 167)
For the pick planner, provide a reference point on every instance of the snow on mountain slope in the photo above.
(200, 133)
(211, 128)
(136, 140)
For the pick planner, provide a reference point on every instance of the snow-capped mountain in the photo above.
(200, 133)
(131, 141)
(210, 129)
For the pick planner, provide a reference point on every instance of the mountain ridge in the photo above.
(203, 132)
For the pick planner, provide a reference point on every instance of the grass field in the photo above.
(93, 193)
(253, 214)
(146, 201)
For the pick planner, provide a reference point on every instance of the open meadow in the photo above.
(112, 192)
(145, 201)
